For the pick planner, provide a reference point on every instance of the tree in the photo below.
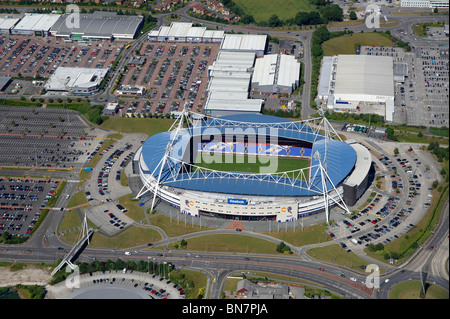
(353, 15)
(396, 150)
(274, 21)
(247, 19)
(316, 50)
(331, 12)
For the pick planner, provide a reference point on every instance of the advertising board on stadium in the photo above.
(237, 201)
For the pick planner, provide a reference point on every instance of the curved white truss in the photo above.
(180, 170)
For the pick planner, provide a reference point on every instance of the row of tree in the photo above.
(325, 14)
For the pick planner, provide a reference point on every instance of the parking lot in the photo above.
(153, 286)
(172, 75)
(394, 209)
(44, 137)
(104, 186)
(22, 201)
(41, 56)
(425, 93)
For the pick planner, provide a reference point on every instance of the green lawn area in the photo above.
(261, 10)
(301, 237)
(231, 243)
(346, 44)
(77, 199)
(337, 255)
(137, 125)
(249, 164)
(411, 290)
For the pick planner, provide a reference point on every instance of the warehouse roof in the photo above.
(244, 42)
(282, 70)
(365, 74)
(37, 22)
(66, 78)
(288, 70)
(7, 23)
(197, 32)
(265, 69)
(99, 25)
(179, 29)
(214, 34)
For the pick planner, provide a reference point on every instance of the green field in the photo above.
(347, 44)
(249, 164)
(261, 10)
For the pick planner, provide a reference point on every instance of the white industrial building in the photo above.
(98, 26)
(358, 83)
(6, 24)
(244, 43)
(431, 4)
(274, 73)
(75, 81)
(35, 24)
(185, 32)
(229, 85)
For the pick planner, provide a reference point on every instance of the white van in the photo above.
(127, 253)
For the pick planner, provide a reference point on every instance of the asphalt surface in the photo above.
(43, 246)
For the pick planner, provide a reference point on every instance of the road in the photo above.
(43, 246)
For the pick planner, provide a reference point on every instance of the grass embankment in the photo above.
(138, 125)
(346, 44)
(261, 10)
(411, 290)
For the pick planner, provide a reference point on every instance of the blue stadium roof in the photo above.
(341, 159)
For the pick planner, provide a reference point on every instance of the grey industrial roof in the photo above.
(325, 76)
(244, 42)
(8, 23)
(98, 25)
(265, 69)
(66, 78)
(288, 70)
(273, 69)
(37, 22)
(364, 75)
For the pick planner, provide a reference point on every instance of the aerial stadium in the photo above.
(250, 167)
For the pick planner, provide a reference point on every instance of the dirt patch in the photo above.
(26, 276)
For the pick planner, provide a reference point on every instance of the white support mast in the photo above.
(178, 125)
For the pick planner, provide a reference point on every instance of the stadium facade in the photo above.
(168, 168)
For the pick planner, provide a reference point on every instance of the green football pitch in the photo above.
(250, 164)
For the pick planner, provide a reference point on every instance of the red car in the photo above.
(321, 269)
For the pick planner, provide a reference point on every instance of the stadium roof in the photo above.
(37, 22)
(99, 25)
(364, 75)
(340, 158)
(362, 165)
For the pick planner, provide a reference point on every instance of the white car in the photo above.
(127, 253)
(353, 279)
